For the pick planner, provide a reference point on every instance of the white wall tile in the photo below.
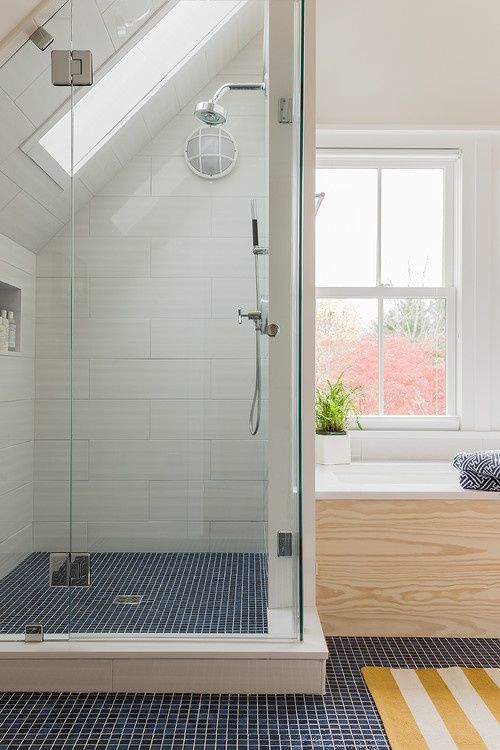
(238, 460)
(16, 127)
(229, 294)
(130, 138)
(171, 139)
(229, 501)
(240, 536)
(8, 189)
(16, 510)
(54, 378)
(110, 501)
(172, 176)
(172, 298)
(53, 337)
(169, 501)
(149, 459)
(196, 419)
(235, 378)
(52, 460)
(17, 255)
(191, 78)
(160, 109)
(52, 419)
(52, 501)
(212, 339)
(231, 216)
(99, 169)
(14, 549)
(124, 337)
(17, 378)
(150, 217)
(133, 179)
(16, 419)
(53, 298)
(149, 378)
(207, 257)
(171, 536)
(27, 222)
(16, 466)
(96, 257)
(59, 535)
(103, 420)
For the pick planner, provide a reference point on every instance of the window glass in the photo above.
(347, 345)
(414, 356)
(412, 208)
(346, 227)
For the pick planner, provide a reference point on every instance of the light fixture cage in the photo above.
(211, 152)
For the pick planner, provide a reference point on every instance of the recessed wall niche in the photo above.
(10, 300)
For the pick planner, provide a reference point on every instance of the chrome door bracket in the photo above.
(72, 67)
(69, 569)
(285, 111)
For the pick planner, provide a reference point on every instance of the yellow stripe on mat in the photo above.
(399, 724)
(430, 709)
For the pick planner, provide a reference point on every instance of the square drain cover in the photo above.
(127, 599)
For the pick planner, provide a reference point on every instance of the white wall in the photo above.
(408, 64)
(163, 375)
(17, 392)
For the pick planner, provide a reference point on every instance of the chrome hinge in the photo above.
(285, 113)
(285, 544)
(69, 569)
(72, 67)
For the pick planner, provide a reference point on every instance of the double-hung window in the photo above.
(385, 282)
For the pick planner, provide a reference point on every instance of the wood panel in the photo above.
(409, 567)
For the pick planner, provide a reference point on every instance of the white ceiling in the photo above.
(33, 207)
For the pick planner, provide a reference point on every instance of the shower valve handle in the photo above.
(254, 315)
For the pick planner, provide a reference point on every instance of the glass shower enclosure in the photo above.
(157, 179)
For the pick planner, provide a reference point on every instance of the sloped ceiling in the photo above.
(33, 207)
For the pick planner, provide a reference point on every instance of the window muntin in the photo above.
(394, 336)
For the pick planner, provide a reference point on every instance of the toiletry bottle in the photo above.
(4, 335)
(5, 322)
(12, 332)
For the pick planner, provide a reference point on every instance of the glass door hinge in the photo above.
(69, 569)
(72, 67)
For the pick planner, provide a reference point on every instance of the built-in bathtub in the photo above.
(403, 550)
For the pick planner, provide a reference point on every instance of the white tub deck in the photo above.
(408, 480)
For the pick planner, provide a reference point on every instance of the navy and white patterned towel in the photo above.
(479, 470)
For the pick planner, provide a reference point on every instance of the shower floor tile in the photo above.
(344, 719)
(181, 592)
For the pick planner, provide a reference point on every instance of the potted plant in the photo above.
(334, 406)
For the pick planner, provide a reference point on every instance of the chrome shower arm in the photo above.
(260, 86)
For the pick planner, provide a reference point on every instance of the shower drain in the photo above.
(127, 599)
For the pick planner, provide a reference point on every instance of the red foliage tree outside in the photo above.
(414, 365)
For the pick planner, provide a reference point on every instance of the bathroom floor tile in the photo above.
(195, 592)
(344, 719)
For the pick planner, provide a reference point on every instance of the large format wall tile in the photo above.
(149, 378)
(149, 459)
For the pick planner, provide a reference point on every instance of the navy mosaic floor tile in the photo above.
(344, 719)
(181, 593)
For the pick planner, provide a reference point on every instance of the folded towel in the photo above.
(479, 470)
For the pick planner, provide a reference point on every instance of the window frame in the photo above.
(395, 158)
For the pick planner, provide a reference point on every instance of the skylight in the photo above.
(135, 78)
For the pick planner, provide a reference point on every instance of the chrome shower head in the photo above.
(210, 113)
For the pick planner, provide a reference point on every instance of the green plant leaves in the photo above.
(334, 406)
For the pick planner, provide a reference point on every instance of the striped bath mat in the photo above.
(437, 709)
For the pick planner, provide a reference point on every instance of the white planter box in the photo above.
(334, 448)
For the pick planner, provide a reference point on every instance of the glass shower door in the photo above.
(172, 352)
(35, 390)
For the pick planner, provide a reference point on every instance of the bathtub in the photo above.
(393, 479)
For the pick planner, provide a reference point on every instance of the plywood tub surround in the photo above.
(409, 567)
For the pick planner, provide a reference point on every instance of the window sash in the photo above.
(447, 160)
